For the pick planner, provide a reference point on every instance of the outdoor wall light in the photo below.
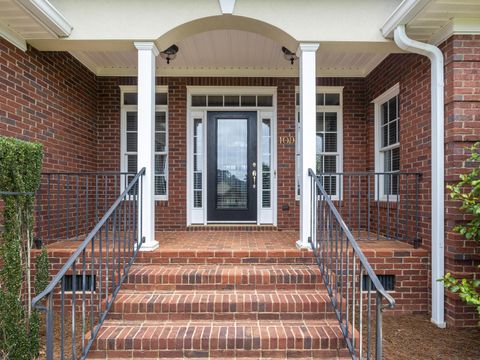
(170, 53)
(290, 56)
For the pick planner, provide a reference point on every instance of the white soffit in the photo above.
(434, 21)
(20, 22)
(237, 53)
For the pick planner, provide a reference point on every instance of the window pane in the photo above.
(160, 164)
(392, 133)
(332, 99)
(232, 100)
(392, 108)
(199, 100)
(330, 184)
(160, 185)
(320, 121)
(396, 159)
(197, 162)
(297, 99)
(265, 100)
(266, 199)
(384, 113)
(387, 160)
(130, 98)
(330, 121)
(320, 143)
(320, 99)
(384, 135)
(160, 141)
(131, 121)
(160, 121)
(248, 100)
(330, 163)
(197, 181)
(132, 163)
(161, 99)
(197, 199)
(215, 100)
(330, 142)
(132, 142)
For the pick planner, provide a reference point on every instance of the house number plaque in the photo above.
(287, 140)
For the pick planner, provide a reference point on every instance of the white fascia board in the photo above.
(402, 15)
(48, 16)
(12, 37)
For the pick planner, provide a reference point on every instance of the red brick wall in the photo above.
(51, 98)
(413, 74)
(171, 214)
(462, 129)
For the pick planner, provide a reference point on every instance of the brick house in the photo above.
(226, 105)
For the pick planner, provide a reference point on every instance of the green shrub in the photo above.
(468, 192)
(20, 165)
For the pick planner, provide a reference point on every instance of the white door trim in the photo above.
(197, 216)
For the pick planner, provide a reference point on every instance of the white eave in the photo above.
(434, 21)
(22, 21)
(46, 14)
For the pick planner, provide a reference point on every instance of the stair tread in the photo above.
(201, 334)
(209, 301)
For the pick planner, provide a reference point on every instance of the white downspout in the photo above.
(438, 183)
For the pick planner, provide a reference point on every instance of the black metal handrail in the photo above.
(69, 204)
(113, 245)
(377, 205)
(347, 274)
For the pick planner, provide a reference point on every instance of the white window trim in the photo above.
(378, 101)
(123, 127)
(322, 108)
(193, 217)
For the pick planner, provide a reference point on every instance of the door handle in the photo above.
(254, 176)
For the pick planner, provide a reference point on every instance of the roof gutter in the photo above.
(437, 162)
(48, 16)
(402, 15)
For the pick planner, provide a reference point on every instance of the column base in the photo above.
(442, 325)
(149, 246)
(301, 245)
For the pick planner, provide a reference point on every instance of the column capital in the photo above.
(310, 47)
(147, 45)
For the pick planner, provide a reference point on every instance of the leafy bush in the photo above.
(468, 192)
(20, 165)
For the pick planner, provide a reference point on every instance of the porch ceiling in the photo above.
(239, 53)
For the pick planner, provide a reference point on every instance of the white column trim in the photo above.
(308, 108)
(147, 51)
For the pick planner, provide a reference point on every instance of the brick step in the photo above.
(170, 256)
(223, 277)
(222, 305)
(217, 339)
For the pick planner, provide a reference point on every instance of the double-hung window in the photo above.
(329, 140)
(129, 137)
(387, 143)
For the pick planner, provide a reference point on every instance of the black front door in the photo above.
(231, 166)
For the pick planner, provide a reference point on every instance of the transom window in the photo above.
(329, 140)
(232, 100)
(129, 137)
(387, 141)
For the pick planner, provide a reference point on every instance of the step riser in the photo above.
(322, 315)
(272, 287)
(221, 354)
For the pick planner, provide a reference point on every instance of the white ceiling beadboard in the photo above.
(232, 53)
(19, 21)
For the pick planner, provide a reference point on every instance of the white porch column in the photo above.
(308, 94)
(147, 51)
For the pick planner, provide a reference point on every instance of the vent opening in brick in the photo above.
(79, 283)
(387, 281)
